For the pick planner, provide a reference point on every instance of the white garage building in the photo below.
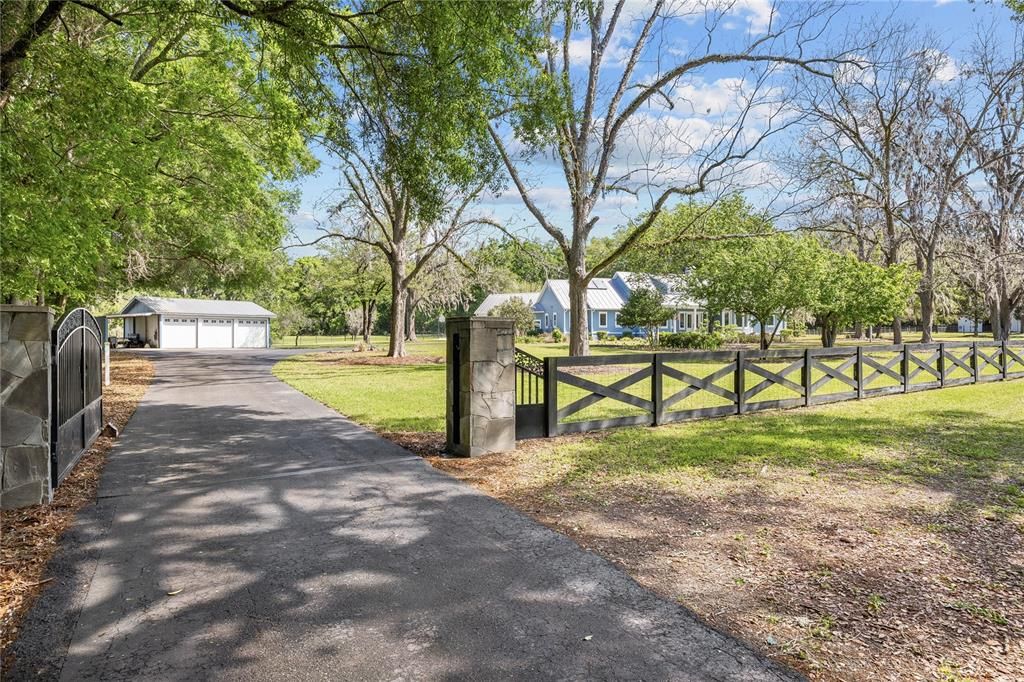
(196, 323)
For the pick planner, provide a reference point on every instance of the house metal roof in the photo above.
(669, 286)
(600, 294)
(494, 300)
(192, 306)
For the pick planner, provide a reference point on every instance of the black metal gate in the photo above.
(77, 414)
(530, 415)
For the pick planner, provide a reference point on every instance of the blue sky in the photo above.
(952, 23)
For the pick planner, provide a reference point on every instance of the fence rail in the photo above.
(576, 394)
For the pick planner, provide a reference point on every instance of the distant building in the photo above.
(196, 323)
(607, 295)
(965, 325)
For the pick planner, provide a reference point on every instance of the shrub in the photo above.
(535, 332)
(519, 311)
(730, 333)
(695, 340)
(626, 335)
(796, 328)
(601, 336)
(557, 335)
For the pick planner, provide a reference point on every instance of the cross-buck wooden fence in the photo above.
(568, 395)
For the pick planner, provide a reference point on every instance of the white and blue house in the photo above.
(605, 298)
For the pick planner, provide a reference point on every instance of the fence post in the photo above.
(942, 365)
(656, 389)
(550, 396)
(805, 376)
(740, 383)
(1004, 360)
(106, 363)
(905, 368)
(858, 371)
(974, 362)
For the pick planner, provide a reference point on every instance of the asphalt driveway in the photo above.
(244, 531)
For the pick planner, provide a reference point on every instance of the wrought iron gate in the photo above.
(530, 415)
(77, 392)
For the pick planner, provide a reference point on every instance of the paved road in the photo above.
(245, 531)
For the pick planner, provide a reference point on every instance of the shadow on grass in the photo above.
(935, 447)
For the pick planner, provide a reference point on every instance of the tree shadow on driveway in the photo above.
(245, 531)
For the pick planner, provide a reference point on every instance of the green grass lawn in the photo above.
(975, 428)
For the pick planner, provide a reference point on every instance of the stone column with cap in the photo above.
(25, 405)
(481, 393)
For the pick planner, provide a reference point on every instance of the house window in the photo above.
(602, 319)
(615, 319)
(536, 323)
(547, 322)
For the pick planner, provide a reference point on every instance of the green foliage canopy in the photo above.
(148, 148)
(763, 277)
(849, 290)
(645, 308)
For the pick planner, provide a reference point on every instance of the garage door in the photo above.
(251, 334)
(178, 332)
(215, 332)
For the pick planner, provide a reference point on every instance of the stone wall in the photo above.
(486, 393)
(25, 405)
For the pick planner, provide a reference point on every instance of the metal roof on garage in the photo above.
(152, 305)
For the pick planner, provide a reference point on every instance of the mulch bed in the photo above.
(841, 579)
(31, 534)
(356, 358)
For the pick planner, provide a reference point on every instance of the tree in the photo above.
(988, 240)
(412, 141)
(445, 284)
(766, 277)
(854, 152)
(517, 310)
(645, 308)
(849, 290)
(141, 148)
(606, 121)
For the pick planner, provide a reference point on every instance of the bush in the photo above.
(528, 338)
(695, 340)
(535, 332)
(557, 335)
(796, 328)
(626, 335)
(601, 336)
(730, 333)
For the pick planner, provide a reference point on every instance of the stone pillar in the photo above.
(481, 395)
(25, 405)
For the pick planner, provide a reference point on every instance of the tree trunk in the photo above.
(764, 336)
(829, 332)
(579, 332)
(369, 324)
(410, 316)
(1005, 317)
(897, 331)
(858, 330)
(396, 326)
(927, 297)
